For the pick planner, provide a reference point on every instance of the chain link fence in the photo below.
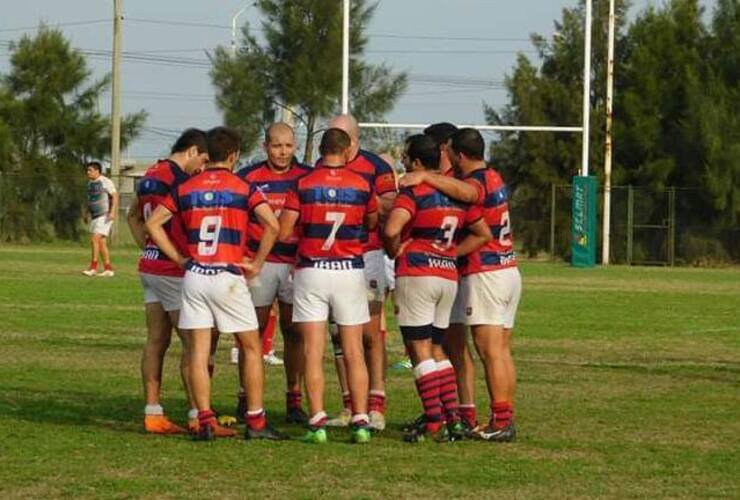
(648, 227)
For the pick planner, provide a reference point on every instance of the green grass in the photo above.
(629, 386)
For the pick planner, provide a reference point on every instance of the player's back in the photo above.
(431, 234)
(158, 182)
(214, 207)
(494, 204)
(274, 186)
(332, 204)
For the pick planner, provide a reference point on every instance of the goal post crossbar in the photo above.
(494, 128)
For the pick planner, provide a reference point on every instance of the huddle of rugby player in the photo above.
(219, 248)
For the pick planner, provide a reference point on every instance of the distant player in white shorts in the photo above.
(333, 208)
(102, 209)
(214, 207)
(491, 285)
(161, 278)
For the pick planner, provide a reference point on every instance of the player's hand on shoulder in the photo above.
(412, 179)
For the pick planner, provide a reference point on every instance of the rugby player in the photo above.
(455, 342)
(102, 210)
(491, 285)
(380, 176)
(215, 207)
(334, 207)
(274, 177)
(421, 232)
(160, 277)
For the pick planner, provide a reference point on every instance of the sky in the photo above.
(456, 58)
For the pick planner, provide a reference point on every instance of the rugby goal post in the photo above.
(584, 231)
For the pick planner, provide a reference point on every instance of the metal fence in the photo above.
(648, 227)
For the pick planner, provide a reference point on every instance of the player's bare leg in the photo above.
(104, 252)
(314, 344)
(375, 359)
(159, 333)
(294, 365)
(493, 345)
(345, 416)
(92, 270)
(357, 379)
(200, 355)
(456, 345)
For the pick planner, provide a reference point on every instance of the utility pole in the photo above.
(606, 225)
(345, 56)
(115, 132)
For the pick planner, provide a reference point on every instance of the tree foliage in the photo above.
(299, 65)
(675, 121)
(49, 127)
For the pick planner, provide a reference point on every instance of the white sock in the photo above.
(441, 365)
(360, 417)
(153, 410)
(192, 413)
(425, 367)
(317, 418)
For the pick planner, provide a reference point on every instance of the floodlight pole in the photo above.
(233, 28)
(115, 129)
(345, 56)
(606, 223)
(586, 89)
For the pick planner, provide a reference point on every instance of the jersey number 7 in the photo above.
(336, 218)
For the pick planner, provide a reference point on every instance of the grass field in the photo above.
(629, 386)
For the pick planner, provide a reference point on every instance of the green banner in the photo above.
(583, 245)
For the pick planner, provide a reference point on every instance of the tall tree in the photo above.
(299, 66)
(50, 126)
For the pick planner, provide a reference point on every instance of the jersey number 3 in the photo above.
(210, 227)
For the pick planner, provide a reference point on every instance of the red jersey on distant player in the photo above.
(379, 174)
(158, 182)
(275, 187)
(493, 199)
(332, 204)
(214, 207)
(436, 221)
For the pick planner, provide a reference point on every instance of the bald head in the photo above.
(279, 146)
(349, 125)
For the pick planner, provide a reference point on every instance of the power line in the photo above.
(56, 25)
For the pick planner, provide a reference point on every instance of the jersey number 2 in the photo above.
(210, 227)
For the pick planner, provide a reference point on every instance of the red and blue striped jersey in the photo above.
(214, 207)
(379, 174)
(158, 182)
(493, 200)
(275, 187)
(332, 204)
(432, 232)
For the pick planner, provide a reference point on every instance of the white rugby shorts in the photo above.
(167, 290)
(375, 275)
(490, 298)
(221, 300)
(315, 291)
(274, 280)
(424, 300)
(101, 225)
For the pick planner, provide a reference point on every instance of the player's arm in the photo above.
(397, 219)
(480, 234)
(287, 222)
(155, 227)
(450, 186)
(115, 199)
(270, 227)
(135, 222)
(385, 203)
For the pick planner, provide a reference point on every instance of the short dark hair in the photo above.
(441, 132)
(94, 164)
(222, 141)
(469, 142)
(189, 138)
(335, 141)
(423, 148)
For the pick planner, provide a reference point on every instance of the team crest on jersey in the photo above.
(332, 193)
(469, 311)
